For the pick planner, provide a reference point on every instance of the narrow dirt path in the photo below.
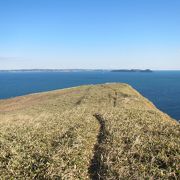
(97, 168)
(84, 96)
(114, 96)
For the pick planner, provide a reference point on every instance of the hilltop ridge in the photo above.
(105, 131)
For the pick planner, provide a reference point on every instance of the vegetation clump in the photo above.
(106, 131)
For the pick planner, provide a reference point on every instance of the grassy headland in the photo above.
(106, 131)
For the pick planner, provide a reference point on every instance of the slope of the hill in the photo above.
(106, 131)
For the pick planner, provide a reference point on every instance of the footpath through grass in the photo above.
(106, 131)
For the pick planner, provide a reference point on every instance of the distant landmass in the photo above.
(132, 70)
(77, 70)
(53, 70)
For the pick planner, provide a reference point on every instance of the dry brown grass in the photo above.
(105, 131)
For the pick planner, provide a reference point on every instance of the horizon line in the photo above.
(90, 69)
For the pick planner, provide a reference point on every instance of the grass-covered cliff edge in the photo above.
(106, 131)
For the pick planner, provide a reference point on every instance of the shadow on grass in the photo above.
(98, 169)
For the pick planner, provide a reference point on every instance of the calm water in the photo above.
(162, 88)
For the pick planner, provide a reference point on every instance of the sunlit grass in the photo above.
(57, 135)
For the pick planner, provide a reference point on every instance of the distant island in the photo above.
(132, 70)
(76, 70)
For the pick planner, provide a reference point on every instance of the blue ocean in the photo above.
(161, 87)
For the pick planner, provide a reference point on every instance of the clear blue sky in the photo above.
(90, 34)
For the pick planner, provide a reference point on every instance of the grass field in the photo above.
(106, 131)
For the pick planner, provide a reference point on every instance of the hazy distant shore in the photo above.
(77, 70)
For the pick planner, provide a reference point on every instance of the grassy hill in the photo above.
(106, 131)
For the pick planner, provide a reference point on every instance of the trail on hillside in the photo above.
(97, 167)
(98, 132)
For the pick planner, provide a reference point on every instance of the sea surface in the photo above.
(160, 87)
